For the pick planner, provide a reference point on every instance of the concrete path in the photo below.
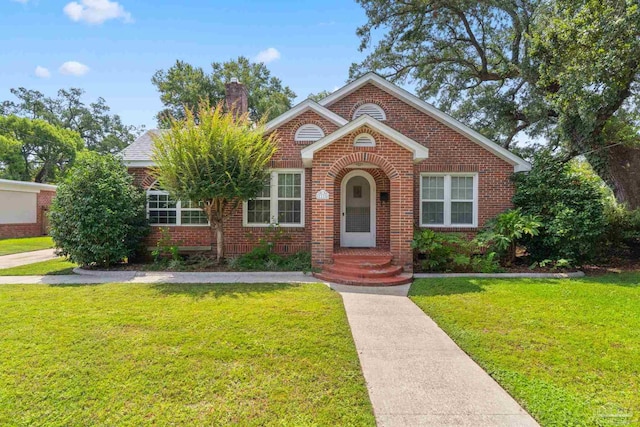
(416, 375)
(160, 277)
(15, 260)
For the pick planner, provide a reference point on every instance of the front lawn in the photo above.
(145, 354)
(567, 350)
(50, 267)
(26, 244)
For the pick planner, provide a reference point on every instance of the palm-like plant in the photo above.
(504, 232)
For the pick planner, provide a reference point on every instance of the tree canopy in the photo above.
(183, 86)
(100, 130)
(34, 150)
(564, 72)
(215, 161)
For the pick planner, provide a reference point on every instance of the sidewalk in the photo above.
(159, 277)
(15, 260)
(416, 375)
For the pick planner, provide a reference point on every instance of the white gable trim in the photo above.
(306, 105)
(420, 152)
(519, 164)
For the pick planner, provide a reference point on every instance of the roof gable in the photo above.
(306, 105)
(419, 151)
(518, 163)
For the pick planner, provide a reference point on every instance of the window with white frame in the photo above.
(448, 200)
(162, 210)
(281, 201)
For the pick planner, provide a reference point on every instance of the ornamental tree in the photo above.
(215, 159)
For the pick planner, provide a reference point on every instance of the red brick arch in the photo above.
(362, 156)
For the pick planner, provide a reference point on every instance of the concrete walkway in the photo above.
(416, 375)
(15, 260)
(159, 277)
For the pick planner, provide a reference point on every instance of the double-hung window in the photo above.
(281, 201)
(162, 210)
(449, 200)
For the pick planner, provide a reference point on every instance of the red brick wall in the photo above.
(44, 199)
(449, 151)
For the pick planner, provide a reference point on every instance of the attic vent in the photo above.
(372, 110)
(364, 140)
(309, 133)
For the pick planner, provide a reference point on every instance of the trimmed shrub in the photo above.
(98, 216)
(570, 205)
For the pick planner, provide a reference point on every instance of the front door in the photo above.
(358, 206)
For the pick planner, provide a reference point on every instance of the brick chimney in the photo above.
(236, 99)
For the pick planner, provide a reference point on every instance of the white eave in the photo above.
(25, 187)
(519, 164)
(306, 105)
(420, 152)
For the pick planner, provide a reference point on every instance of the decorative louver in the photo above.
(307, 133)
(372, 110)
(364, 140)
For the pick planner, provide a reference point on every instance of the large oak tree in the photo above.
(183, 86)
(566, 72)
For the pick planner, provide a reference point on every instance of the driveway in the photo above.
(416, 375)
(15, 260)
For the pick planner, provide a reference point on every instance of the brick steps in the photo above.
(364, 269)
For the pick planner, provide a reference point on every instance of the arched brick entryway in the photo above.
(396, 165)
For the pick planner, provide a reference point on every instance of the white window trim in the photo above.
(448, 200)
(178, 210)
(274, 200)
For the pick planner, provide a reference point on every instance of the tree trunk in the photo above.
(622, 172)
(219, 243)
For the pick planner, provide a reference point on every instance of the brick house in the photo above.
(355, 173)
(24, 208)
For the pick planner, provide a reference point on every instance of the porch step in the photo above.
(401, 279)
(360, 271)
(364, 268)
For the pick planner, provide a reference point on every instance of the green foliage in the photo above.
(166, 248)
(451, 252)
(216, 161)
(623, 230)
(98, 216)
(101, 131)
(503, 233)
(261, 258)
(569, 205)
(183, 86)
(565, 72)
(34, 150)
(319, 95)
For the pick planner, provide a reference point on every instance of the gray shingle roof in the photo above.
(140, 149)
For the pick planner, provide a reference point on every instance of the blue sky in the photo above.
(111, 49)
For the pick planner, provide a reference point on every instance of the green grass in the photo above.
(26, 244)
(51, 267)
(145, 354)
(568, 350)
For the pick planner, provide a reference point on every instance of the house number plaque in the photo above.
(322, 195)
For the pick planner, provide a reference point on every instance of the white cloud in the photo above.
(268, 55)
(96, 11)
(21, 1)
(73, 68)
(42, 72)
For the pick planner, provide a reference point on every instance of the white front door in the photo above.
(358, 210)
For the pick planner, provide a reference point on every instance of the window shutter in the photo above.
(309, 133)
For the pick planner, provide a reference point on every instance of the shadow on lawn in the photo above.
(442, 287)
(217, 290)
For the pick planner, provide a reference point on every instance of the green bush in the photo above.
(443, 252)
(623, 231)
(261, 258)
(570, 205)
(503, 233)
(98, 216)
